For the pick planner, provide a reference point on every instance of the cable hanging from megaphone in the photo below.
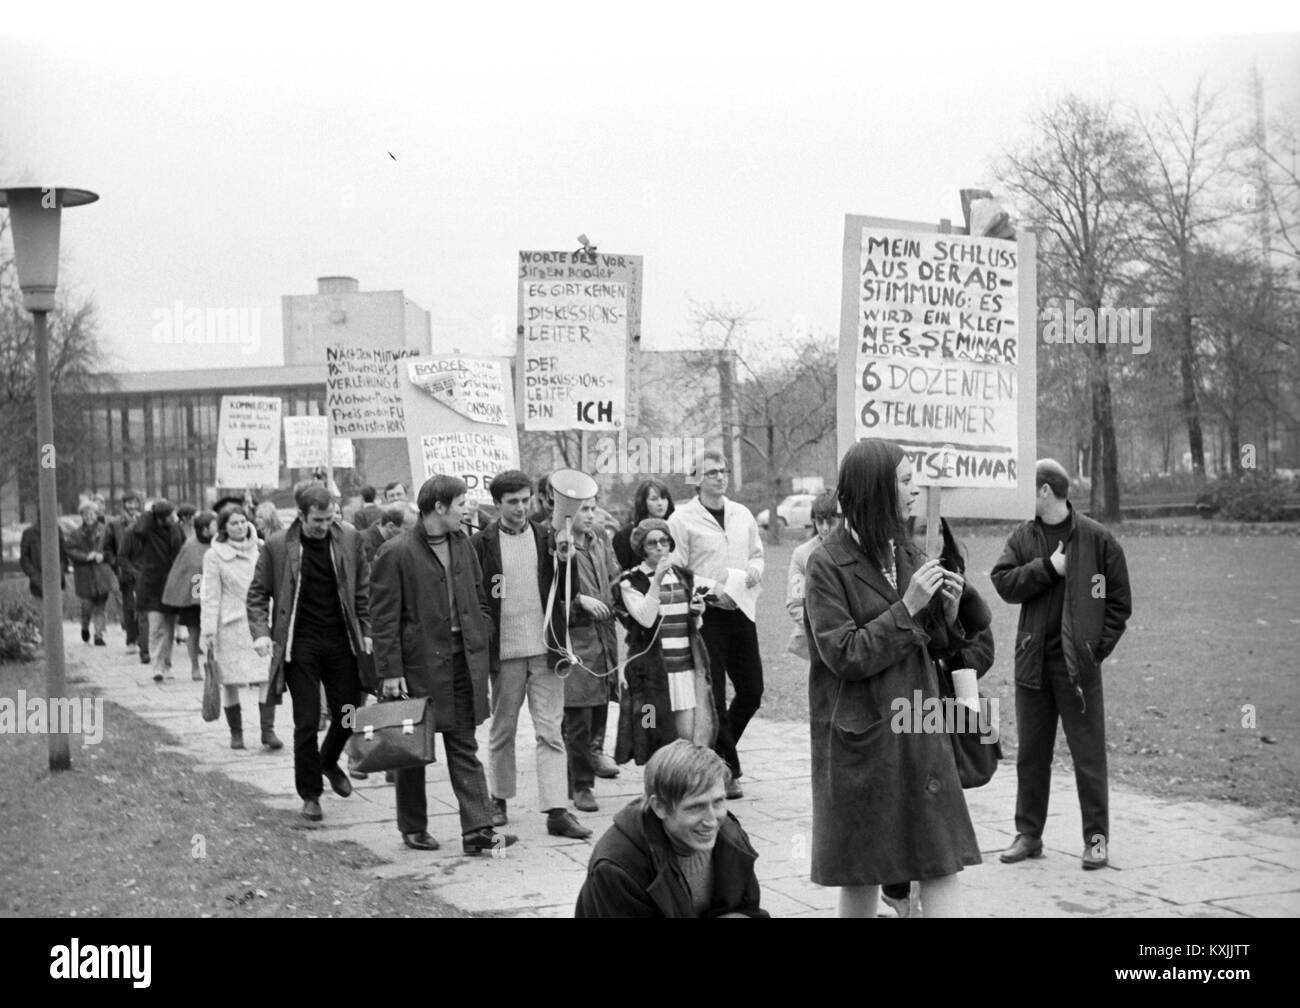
(571, 489)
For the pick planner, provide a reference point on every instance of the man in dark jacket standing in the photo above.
(432, 629)
(316, 576)
(1069, 577)
(115, 543)
(677, 852)
(518, 569)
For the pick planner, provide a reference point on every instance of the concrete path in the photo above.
(1168, 858)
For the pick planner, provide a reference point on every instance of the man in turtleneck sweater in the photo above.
(432, 630)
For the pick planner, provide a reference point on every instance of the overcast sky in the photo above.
(239, 155)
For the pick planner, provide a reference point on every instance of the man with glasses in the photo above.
(718, 540)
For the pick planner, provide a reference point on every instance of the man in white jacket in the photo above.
(719, 541)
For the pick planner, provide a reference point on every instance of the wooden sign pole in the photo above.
(934, 494)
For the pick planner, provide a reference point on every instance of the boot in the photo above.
(269, 738)
(235, 718)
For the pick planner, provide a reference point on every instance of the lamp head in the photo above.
(34, 213)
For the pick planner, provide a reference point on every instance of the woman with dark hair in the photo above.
(227, 572)
(92, 571)
(668, 694)
(185, 584)
(887, 802)
(652, 500)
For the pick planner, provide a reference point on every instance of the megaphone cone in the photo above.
(570, 488)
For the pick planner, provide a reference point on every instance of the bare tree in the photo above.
(76, 369)
(1186, 164)
(1074, 185)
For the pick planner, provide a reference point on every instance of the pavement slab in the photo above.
(1169, 858)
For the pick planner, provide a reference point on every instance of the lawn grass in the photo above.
(1215, 620)
(135, 830)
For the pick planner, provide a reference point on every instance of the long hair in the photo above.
(640, 510)
(867, 490)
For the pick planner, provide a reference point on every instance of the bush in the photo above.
(1249, 496)
(20, 632)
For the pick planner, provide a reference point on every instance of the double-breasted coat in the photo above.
(411, 622)
(227, 573)
(887, 804)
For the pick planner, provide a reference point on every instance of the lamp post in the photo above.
(34, 214)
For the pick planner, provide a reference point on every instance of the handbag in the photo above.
(392, 735)
(211, 688)
(977, 759)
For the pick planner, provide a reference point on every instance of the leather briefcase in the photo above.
(392, 735)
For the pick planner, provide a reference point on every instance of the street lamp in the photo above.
(34, 213)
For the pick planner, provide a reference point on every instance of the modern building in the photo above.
(156, 431)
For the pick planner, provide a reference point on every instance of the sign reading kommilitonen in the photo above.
(362, 399)
(578, 314)
(248, 442)
(937, 356)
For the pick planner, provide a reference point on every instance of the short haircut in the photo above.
(439, 489)
(394, 514)
(130, 495)
(313, 495)
(203, 519)
(395, 483)
(825, 506)
(709, 454)
(161, 509)
(510, 481)
(681, 769)
(368, 494)
(186, 510)
(1052, 473)
(223, 519)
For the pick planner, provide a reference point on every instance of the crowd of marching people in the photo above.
(417, 598)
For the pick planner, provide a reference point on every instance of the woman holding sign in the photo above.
(887, 802)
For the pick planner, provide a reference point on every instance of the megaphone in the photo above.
(570, 489)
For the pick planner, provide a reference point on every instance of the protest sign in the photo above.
(460, 420)
(305, 440)
(248, 442)
(937, 355)
(361, 392)
(342, 453)
(578, 316)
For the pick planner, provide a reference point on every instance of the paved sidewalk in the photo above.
(1168, 859)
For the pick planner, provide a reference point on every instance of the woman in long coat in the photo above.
(92, 571)
(887, 802)
(656, 709)
(228, 568)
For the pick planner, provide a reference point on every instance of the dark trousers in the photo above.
(578, 723)
(732, 642)
(319, 662)
(1037, 711)
(599, 719)
(130, 623)
(468, 781)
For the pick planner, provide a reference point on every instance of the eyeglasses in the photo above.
(659, 541)
(712, 473)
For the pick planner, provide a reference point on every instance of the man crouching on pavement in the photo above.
(432, 627)
(677, 852)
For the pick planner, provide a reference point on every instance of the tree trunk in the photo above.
(1110, 455)
(1191, 406)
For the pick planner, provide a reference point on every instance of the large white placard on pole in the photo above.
(937, 355)
(248, 442)
(577, 317)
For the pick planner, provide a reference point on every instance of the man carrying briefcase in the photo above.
(431, 626)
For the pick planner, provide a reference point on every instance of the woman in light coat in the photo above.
(227, 572)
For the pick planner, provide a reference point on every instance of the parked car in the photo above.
(795, 511)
